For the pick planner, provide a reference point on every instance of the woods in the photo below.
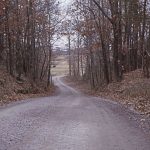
(111, 38)
(27, 29)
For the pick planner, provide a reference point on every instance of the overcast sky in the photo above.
(65, 2)
(63, 41)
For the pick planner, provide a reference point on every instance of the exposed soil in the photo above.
(13, 90)
(133, 91)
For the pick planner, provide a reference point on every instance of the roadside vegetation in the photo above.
(27, 30)
(111, 51)
(13, 90)
(111, 39)
(133, 91)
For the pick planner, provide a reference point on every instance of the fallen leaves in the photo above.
(14, 90)
(133, 91)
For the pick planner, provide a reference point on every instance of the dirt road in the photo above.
(69, 121)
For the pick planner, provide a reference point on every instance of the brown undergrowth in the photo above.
(13, 90)
(133, 91)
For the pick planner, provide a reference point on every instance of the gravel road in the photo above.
(70, 121)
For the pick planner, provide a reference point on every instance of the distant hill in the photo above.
(60, 65)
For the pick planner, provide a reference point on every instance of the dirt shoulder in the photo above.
(13, 90)
(133, 91)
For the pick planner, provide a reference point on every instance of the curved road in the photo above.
(69, 121)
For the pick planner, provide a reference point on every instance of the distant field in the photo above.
(62, 67)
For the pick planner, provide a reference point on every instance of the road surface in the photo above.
(69, 121)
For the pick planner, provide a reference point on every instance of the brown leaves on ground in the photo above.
(133, 91)
(13, 90)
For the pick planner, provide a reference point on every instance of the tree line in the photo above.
(27, 28)
(112, 37)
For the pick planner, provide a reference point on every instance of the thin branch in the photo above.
(103, 12)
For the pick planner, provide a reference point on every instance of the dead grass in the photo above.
(62, 67)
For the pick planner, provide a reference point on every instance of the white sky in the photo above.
(65, 2)
(63, 41)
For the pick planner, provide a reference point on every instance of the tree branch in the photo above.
(103, 12)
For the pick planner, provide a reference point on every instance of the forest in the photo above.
(112, 37)
(106, 38)
(27, 28)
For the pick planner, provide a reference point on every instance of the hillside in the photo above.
(61, 67)
(13, 90)
(133, 91)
